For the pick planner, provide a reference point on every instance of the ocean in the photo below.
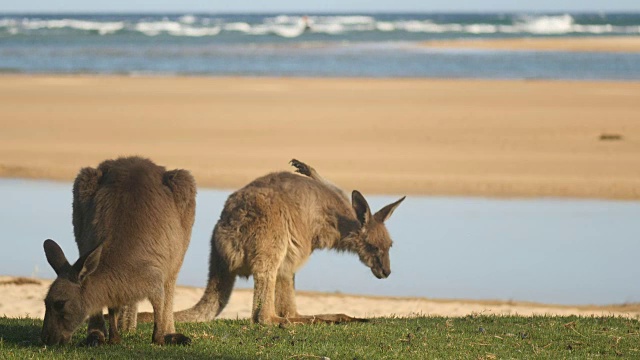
(313, 45)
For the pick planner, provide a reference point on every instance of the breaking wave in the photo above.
(295, 26)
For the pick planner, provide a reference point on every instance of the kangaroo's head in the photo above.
(65, 308)
(373, 240)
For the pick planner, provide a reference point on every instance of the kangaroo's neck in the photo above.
(341, 231)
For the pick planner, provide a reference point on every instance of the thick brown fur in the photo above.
(268, 230)
(132, 222)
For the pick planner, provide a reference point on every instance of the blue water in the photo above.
(546, 250)
(356, 45)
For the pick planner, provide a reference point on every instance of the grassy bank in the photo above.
(471, 337)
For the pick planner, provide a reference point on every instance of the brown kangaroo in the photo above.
(269, 228)
(132, 222)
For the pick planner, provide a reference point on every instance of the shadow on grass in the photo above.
(16, 332)
(21, 338)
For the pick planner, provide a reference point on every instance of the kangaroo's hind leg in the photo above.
(128, 319)
(270, 248)
(285, 296)
(171, 337)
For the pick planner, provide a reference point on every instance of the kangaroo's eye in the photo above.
(59, 305)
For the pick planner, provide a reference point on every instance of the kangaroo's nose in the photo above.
(386, 273)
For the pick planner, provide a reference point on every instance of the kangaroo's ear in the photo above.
(86, 184)
(361, 207)
(385, 213)
(88, 264)
(55, 256)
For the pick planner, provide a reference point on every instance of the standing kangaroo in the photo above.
(132, 221)
(269, 228)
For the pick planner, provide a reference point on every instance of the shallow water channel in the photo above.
(562, 251)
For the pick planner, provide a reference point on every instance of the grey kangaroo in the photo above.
(268, 230)
(132, 222)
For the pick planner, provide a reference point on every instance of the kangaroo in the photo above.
(132, 222)
(268, 230)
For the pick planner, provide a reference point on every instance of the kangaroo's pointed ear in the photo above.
(55, 256)
(88, 264)
(385, 213)
(361, 207)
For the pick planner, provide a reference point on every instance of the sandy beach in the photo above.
(398, 136)
(629, 44)
(23, 297)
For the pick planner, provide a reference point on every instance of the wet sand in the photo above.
(630, 44)
(398, 136)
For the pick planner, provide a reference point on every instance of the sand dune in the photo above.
(20, 298)
(402, 136)
(629, 44)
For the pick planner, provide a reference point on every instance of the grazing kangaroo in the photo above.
(132, 221)
(269, 228)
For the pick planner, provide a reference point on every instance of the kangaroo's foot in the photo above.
(176, 339)
(94, 338)
(339, 318)
(301, 167)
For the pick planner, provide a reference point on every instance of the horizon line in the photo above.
(250, 12)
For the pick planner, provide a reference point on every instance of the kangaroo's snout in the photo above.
(381, 273)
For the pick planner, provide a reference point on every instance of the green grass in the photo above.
(471, 337)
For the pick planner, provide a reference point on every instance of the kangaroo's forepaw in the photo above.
(95, 338)
(301, 167)
(177, 339)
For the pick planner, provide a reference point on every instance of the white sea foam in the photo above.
(385, 26)
(102, 28)
(481, 29)
(295, 26)
(196, 32)
(187, 19)
(328, 28)
(154, 28)
(288, 31)
(237, 26)
(174, 28)
(282, 25)
(7, 22)
(562, 24)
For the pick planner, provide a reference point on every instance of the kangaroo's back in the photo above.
(131, 203)
(302, 207)
(303, 197)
